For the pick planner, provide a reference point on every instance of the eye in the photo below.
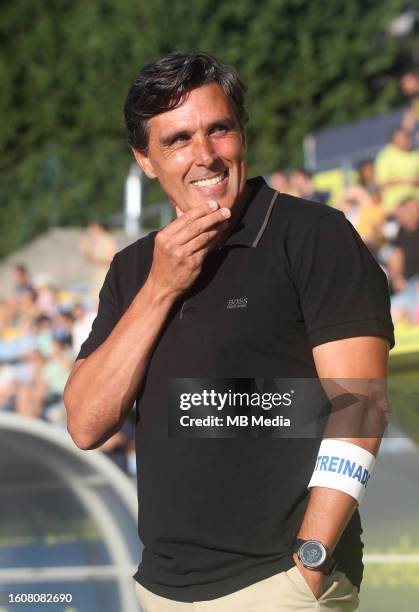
(182, 138)
(178, 140)
(219, 129)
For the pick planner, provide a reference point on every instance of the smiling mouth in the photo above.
(214, 180)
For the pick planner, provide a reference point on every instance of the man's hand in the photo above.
(314, 578)
(181, 247)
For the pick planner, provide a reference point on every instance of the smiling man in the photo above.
(244, 283)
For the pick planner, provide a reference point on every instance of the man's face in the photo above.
(402, 140)
(366, 171)
(408, 215)
(410, 84)
(197, 151)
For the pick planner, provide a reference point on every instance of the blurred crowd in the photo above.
(42, 325)
(382, 203)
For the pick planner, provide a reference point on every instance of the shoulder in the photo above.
(130, 268)
(137, 252)
(299, 216)
(288, 209)
(386, 151)
(295, 207)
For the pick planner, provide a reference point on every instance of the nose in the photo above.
(204, 152)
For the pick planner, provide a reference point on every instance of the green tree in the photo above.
(65, 68)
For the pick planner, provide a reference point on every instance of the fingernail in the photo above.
(226, 212)
(212, 204)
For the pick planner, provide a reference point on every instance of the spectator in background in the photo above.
(397, 170)
(409, 84)
(7, 388)
(27, 308)
(351, 202)
(365, 211)
(63, 328)
(38, 329)
(366, 175)
(371, 221)
(54, 374)
(43, 329)
(20, 280)
(45, 294)
(301, 185)
(278, 180)
(30, 385)
(403, 264)
(98, 246)
(83, 321)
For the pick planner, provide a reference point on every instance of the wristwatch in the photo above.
(313, 555)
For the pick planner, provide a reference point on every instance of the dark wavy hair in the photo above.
(164, 84)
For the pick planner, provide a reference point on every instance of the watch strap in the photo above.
(328, 565)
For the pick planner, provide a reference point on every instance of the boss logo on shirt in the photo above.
(237, 303)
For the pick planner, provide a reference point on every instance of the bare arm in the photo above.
(329, 511)
(101, 388)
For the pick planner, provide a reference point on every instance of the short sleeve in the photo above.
(343, 291)
(107, 317)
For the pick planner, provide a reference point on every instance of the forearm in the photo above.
(362, 423)
(101, 391)
(351, 369)
(329, 510)
(102, 388)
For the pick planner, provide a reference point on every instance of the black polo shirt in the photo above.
(216, 515)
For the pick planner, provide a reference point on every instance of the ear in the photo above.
(144, 162)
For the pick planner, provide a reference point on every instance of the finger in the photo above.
(211, 204)
(190, 215)
(210, 246)
(201, 225)
(205, 239)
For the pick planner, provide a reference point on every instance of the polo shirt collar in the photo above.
(250, 227)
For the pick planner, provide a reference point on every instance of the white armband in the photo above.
(343, 466)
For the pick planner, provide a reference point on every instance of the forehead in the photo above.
(202, 106)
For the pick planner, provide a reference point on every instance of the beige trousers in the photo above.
(283, 592)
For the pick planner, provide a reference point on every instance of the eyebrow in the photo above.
(170, 138)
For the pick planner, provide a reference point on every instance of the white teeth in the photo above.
(208, 182)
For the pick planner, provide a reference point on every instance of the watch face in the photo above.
(312, 554)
